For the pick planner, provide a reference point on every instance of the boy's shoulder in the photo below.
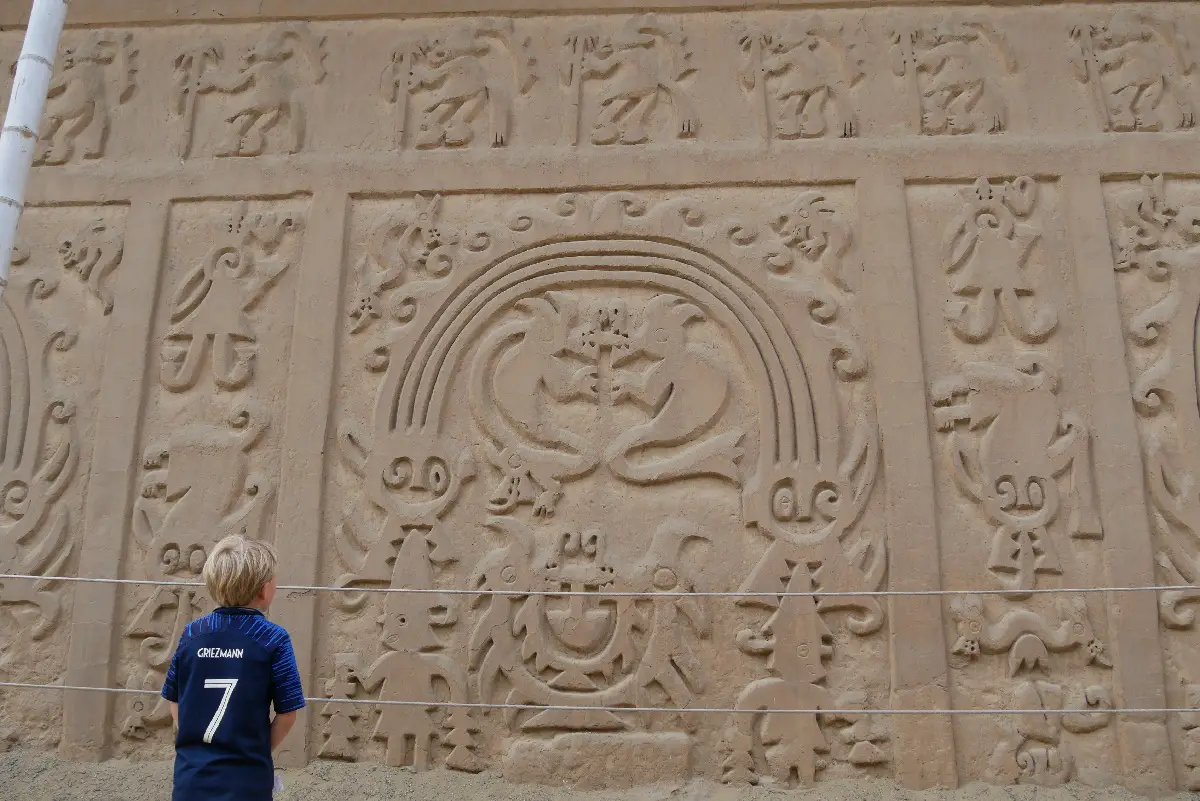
(244, 622)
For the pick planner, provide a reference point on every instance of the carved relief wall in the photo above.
(740, 329)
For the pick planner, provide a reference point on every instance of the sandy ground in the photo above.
(38, 776)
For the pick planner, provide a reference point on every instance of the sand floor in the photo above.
(27, 775)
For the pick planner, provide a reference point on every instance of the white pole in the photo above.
(18, 142)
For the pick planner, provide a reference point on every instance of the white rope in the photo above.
(665, 709)
(623, 594)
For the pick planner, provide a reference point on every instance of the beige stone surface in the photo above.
(517, 297)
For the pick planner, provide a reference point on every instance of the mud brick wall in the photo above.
(580, 296)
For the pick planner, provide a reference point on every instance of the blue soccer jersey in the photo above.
(230, 668)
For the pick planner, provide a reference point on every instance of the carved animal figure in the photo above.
(1025, 442)
(544, 365)
(509, 568)
(1137, 62)
(200, 474)
(811, 88)
(958, 94)
(78, 108)
(94, 252)
(987, 247)
(459, 85)
(270, 90)
(684, 391)
(1011, 633)
(642, 61)
(209, 305)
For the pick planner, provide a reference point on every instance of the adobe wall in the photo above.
(565, 296)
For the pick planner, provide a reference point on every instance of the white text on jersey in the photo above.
(220, 653)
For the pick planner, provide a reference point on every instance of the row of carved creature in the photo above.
(628, 82)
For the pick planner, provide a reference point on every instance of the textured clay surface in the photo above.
(586, 298)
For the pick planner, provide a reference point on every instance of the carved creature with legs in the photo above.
(1135, 65)
(640, 64)
(78, 106)
(808, 68)
(208, 308)
(685, 391)
(449, 82)
(953, 75)
(268, 90)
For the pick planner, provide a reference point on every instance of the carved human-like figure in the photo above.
(1135, 65)
(94, 252)
(1009, 442)
(641, 63)
(808, 69)
(410, 665)
(448, 80)
(953, 75)
(796, 642)
(78, 105)
(208, 308)
(266, 88)
(987, 248)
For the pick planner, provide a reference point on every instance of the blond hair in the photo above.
(237, 569)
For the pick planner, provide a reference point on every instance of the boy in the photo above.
(230, 667)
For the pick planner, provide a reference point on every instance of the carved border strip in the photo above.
(917, 159)
(147, 12)
(1129, 553)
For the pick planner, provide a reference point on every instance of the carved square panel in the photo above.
(636, 392)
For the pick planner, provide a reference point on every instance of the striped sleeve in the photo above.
(288, 696)
(170, 690)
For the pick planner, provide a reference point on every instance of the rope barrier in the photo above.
(657, 709)
(600, 593)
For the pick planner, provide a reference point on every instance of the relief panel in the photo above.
(1155, 229)
(1138, 69)
(957, 72)
(53, 328)
(1014, 471)
(652, 80)
(642, 393)
(209, 463)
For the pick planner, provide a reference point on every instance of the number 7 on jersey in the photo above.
(218, 684)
